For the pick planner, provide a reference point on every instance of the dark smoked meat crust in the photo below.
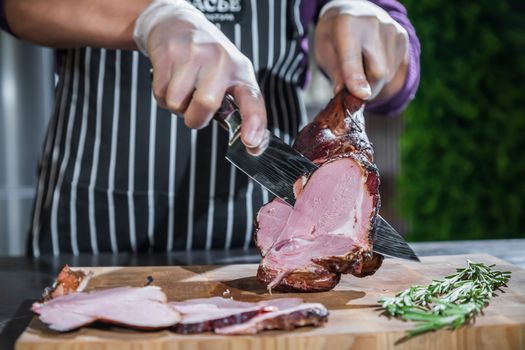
(210, 325)
(299, 318)
(336, 132)
(319, 280)
(326, 276)
(370, 265)
(358, 262)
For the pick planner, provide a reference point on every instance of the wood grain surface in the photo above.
(354, 321)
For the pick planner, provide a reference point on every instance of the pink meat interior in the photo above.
(144, 307)
(330, 218)
(202, 310)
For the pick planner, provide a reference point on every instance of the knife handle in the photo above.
(228, 116)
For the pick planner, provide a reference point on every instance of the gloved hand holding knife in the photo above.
(195, 65)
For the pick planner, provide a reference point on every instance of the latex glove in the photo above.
(360, 47)
(195, 64)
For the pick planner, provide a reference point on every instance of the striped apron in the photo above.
(120, 174)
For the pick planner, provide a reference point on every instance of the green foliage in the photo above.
(463, 150)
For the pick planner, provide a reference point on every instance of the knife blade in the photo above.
(387, 241)
(278, 166)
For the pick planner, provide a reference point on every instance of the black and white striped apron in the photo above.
(118, 173)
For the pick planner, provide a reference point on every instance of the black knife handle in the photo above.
(228, 116)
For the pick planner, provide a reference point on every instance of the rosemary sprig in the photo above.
(450, 302)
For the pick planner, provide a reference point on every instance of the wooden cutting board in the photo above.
(354, 322)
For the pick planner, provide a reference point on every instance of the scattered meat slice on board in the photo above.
(142, 308)
(209, 314)
(307, 314)
(67, 281)
(329, 230)
(147, 308)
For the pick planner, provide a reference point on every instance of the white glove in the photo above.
(361, 47)
(195, 64)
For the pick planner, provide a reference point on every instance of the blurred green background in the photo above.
(463, 146)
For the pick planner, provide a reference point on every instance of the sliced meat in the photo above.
(143, 308)
(329, 230)
(147, 308)
(67, 281)
(209, 314)
(308, 314)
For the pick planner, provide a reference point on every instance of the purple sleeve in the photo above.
(309, 11)
(3, 19)
(397, 103)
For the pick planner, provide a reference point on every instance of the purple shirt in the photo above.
(309, 12)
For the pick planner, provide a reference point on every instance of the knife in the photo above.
(387, 241)
(277, 166)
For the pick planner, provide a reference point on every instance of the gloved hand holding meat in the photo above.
(195, 64)
(360, 46)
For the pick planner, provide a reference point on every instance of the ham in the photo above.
(210, 314)
(329, 231)
(147, 308)
(285, 318)
(142, 308)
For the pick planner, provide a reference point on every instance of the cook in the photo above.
(119, 172)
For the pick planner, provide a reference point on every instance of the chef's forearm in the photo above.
(70, 23)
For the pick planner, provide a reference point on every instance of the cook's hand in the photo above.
(360, 47)
(195, 64)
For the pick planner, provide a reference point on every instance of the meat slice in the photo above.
(147, 308)
(329, 231)
(67, 281)
(209, 314)
(287, 318)
(143, 308)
